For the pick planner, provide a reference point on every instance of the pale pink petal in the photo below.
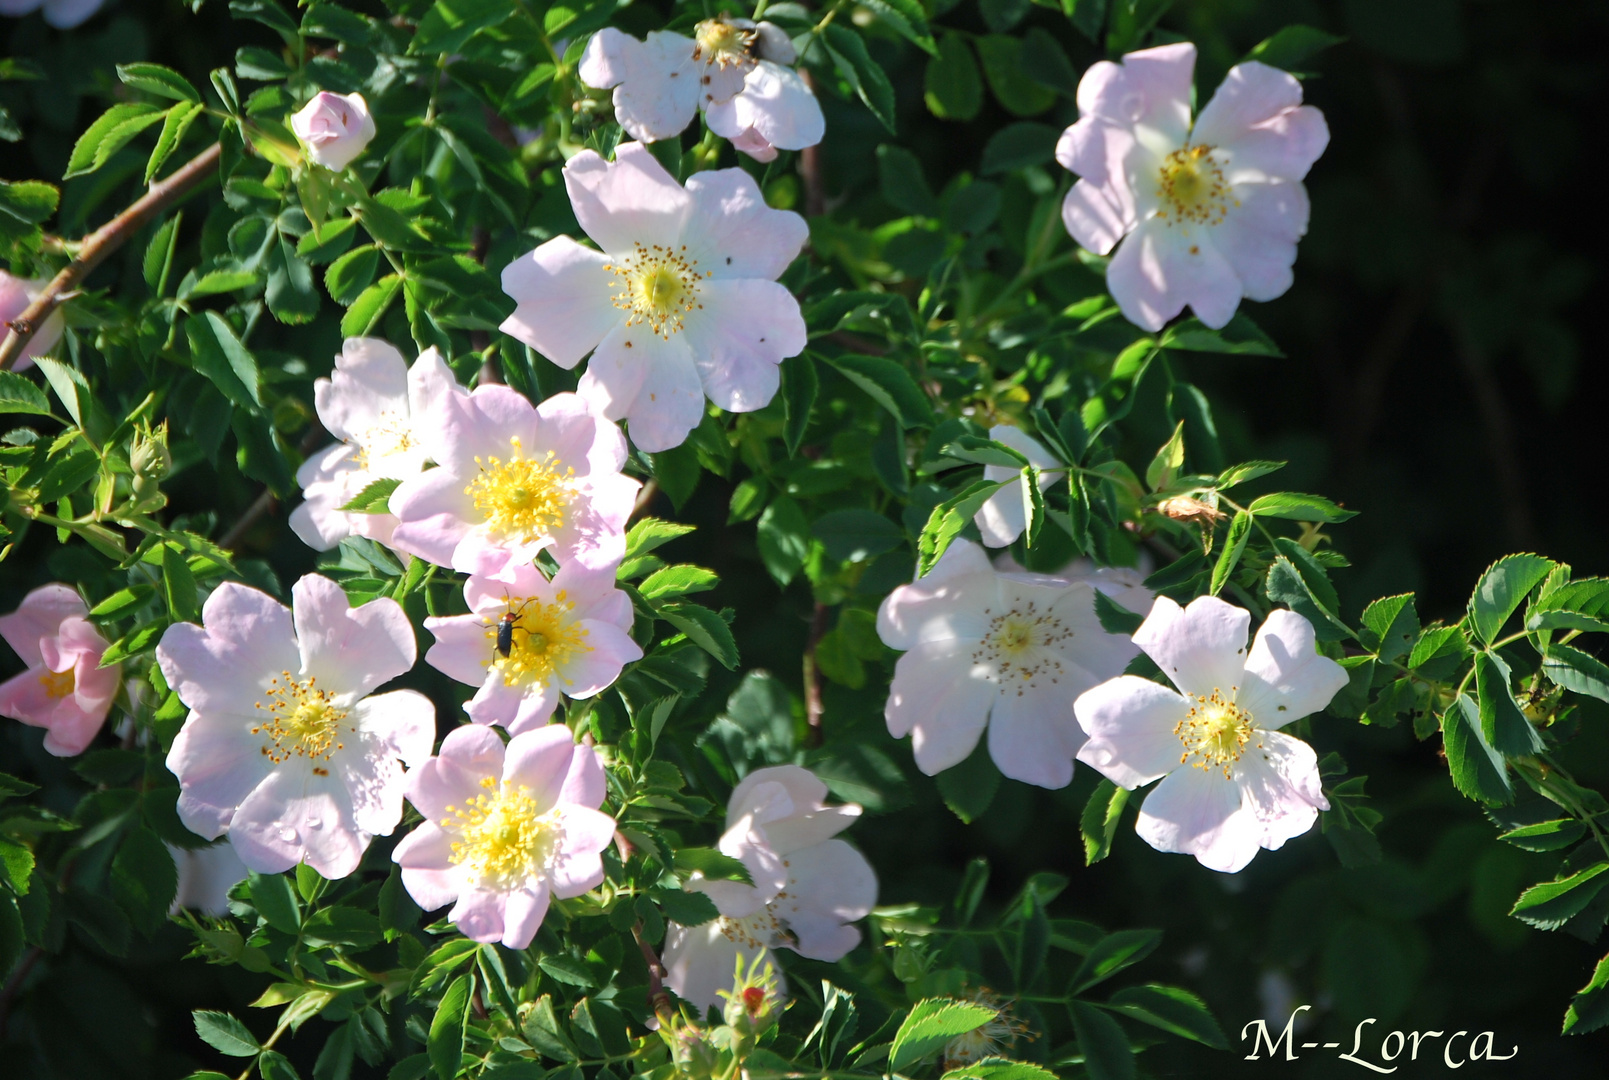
(938, 699)
(609, 59)
(1033, 736)
(66, 14)
(294, 816)
(370, 377)
(39, 615)
(564, 303)
(1286, 678)
(517, 708)
(655, 82)
(744, 330)
(226, 667)
(584, 783)
(1162, 76)
(1201, 648)
(1159, 268)
(732, 233)
(1281, 787)
(1003, 517)
(829, 886)
(573, 429)
(648, 381)
(430, 889)
(1258, 237)
(523, 913)
(1097, 216)
(1130, 724)
(468, 755)
(479, 914)
(219, 763)
(349, 650)
(785, 789)
(1257, 119)
(205, 877)
(611, 650)
(586, 832)
(329, 480)
(775, 104)
(539, 761)
(1197, 812)
(462, 650)
(699, 962)
(404, 723)
(430, 380)
(433, 515)
(631, 200)
(939, 606)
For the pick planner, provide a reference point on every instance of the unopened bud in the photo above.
(755, 1003)
(149, 457)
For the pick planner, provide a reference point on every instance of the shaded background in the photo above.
(1441, 378)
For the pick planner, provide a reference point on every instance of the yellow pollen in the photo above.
(1192, 188)
(765, 929)
(1215, 732)
(523, 498)
(58, 684)
(722, 43)
(1019, 649)
(544, 640)
(386, 437)
(500, 835)
(656, 285)
(302, 721)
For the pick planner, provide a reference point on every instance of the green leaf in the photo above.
(109, 134)
(375, 498)
(1115, 618)
(899, 176)
(158, 80)
(861, 72)
(1546, 835)
(134, 642)
(1291, 506)
(951, 85)
(1012, 86)
(711, 865)
(1046, 63)
(1565, 620)
(1171, 1009)
(1575, 670)
(1550, 905)
(1100, 819)
(342, 925)
(1112, 954)
(948, 518)
(219, 355)
(123, 600)
(931, 1024)
(1106, 1051)
(16, 867)
(1390, 626)
(291, 296)
(1477, 769)
(994, 1068)
(685, 908)
(675, 581)
(275, 900)
(651, 533)
(1500, 591)
(20, 395)
(370, 306)
(1250, 470)
(224, 1033)
(703, 628)
(68, 475)
(1167, 461)
(29, 201)
(1017, 146)
(158, 262)
(1240, 336)
(144, 879)
(447, 958)
(1033, 942)
(449, 24)
(1589, 1010)
(1292, 47)
(446, 1042)
(969, 788)
(1234, 546)
(799, 386)
(1302, 587)
(783, 537)
(1503, 724)
(855, 535)
(908, 18)
(179, 585)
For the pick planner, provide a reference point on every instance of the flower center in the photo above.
(719, 42)
(58, 684)
(1192, 188)
(1017, 648)
(387, 437)
(657, 286)
(762, 930)
(1215, 732)
(500, 836)
(302, 721)
(990, 1040)
(542, 641)
(522, 498)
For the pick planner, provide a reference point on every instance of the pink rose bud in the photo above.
(335, 128)
(15, 296)
(64, 690)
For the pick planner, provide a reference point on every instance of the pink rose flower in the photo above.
(506, 830)
(62, 14)
(334, 127)
(287, 747)
(512, 480)
(569, 636)
(15, 295)
(64, 690)
(1200, 214)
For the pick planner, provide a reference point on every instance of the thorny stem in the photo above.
(100, 244)
(812, 674)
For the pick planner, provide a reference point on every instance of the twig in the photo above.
(812, 675)
(100, 244)
(645, 496)
(810, 169)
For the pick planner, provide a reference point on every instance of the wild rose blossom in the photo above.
(374, 403)
(15, 295)
(62, 14)
(65, 690)
(1002, 651)
(681, 303)
(1232, 782)
(506, 830)
(286, 746)
(569, 636)
(1200, 215)
(512, 480)
(737, 71)
(334, 128)
(205, 877)
(1003, 517)
(808, 885)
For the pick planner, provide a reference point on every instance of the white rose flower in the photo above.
(334, 127)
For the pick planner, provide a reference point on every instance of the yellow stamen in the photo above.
(303, 720)
(544, 640)
(500, 835)
(658, 286)
(1215, 732)
(58, 684)
(523, 498)
(719, 42)
(1192, 188)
